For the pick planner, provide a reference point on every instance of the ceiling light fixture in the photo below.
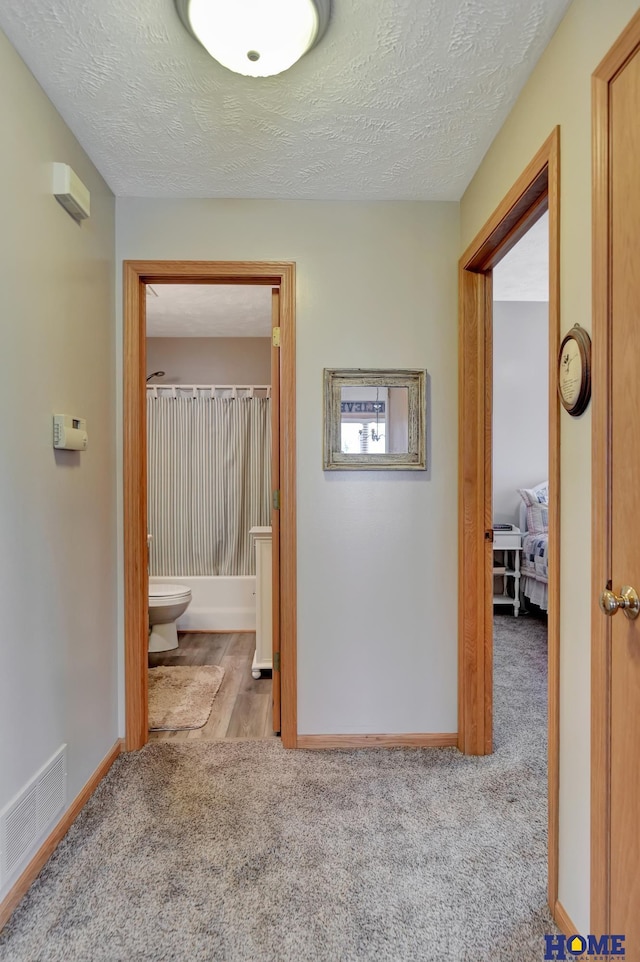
(257, 38)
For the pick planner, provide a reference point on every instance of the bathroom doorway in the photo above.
(278, 279)
(209, 503)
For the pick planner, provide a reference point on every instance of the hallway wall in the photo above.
(57, 508)
(376, 287)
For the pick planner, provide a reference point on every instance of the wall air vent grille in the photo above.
(51, 791)
(26, 820)
(69, 203)
(20, 830)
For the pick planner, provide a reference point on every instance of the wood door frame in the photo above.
(276, 358)
(537, 189)
(622, 50)
(137, 274)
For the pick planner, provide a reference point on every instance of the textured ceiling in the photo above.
(523, 273)
(208, 310)
(400, 100)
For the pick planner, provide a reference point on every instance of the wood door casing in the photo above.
(136, 275)
(275, 512)
(537, 189)
(136, 549)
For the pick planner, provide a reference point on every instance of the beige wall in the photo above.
(376, 287)
(57, 509)
(558, 92)
(210, 360)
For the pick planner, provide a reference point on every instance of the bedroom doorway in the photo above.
(534, 195)
(520, 495)
(520, 429)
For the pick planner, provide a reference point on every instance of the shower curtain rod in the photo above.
(197, 390)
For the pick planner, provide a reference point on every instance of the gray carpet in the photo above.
(240, 851)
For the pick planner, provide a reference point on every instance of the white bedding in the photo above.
(534, 564)
(534, 570)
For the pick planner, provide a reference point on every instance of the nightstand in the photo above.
(507, 548)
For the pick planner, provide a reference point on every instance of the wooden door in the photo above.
(625, 502)
(616, 639)
(275, 510)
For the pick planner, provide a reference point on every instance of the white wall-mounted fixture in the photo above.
(69, 191)
(69, 432)
(257, 38)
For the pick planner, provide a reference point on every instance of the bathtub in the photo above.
(217, 603)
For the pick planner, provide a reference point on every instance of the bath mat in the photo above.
(182, 697)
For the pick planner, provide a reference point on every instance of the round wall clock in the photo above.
(574, 370)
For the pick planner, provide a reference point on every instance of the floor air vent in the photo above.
(25, 821)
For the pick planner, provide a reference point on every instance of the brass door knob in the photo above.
(627, 600)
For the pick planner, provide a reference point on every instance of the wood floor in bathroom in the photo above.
(242, 706)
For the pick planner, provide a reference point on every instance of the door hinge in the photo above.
(276, 661)
(276, 500)
(275, 336)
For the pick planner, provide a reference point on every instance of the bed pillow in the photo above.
(538, 518)
(537, 495)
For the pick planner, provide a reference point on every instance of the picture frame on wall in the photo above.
(375, 419)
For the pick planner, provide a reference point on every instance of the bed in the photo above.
(534, 524)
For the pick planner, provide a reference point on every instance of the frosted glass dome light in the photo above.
(257, 38)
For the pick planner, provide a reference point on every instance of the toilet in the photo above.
(166, 604)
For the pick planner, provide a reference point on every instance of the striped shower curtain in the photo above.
(209, 482)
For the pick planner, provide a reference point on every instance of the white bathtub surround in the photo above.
(217, 603)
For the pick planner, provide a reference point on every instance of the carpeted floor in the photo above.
(240, 851)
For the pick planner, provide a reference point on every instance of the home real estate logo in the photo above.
(591, 947)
